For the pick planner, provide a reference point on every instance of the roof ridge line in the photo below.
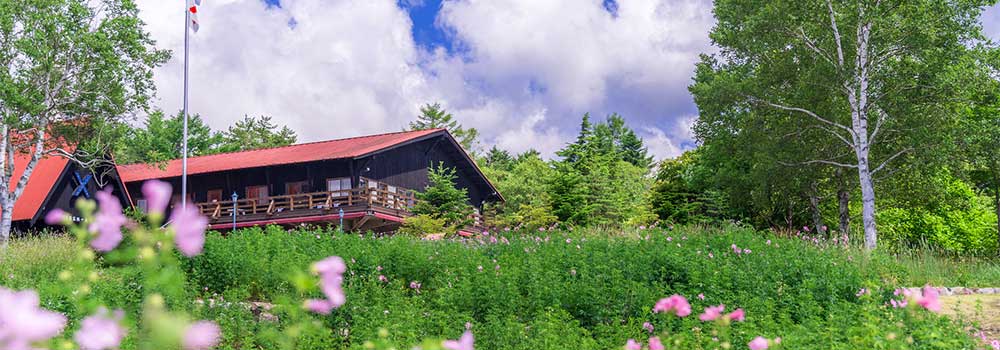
(292, 145)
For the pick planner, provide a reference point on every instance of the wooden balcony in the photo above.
(379, 200)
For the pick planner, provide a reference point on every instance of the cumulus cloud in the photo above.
(524, 71)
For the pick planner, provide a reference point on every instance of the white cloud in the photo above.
(526, 72)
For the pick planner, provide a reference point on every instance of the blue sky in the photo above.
(523, 72)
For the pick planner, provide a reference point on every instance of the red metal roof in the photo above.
(42, 181)
(301, 153)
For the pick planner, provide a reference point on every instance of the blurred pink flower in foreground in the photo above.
(201, 335)
(466, 342)
(56, 217)
(189, 229)
(675, 303)
(738, 315)
(331, 271)
(631, 344)
(758, 343)
(319, 306)
(22, 322)
(655, 344)
(101, 331)
(107, 222)
(157, 195)
(712, 313)
(930, 299)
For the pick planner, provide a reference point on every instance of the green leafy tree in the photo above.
(441, 199)
(255, 133)
(66, 62)
(160, 139)
(868, 74)
(433, 116)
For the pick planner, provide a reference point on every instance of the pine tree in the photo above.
(442, 200)
(432, 116)
(256, 133)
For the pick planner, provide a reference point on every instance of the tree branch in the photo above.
(836, 34)
(813, 115)
(890, 159)
(819, 161)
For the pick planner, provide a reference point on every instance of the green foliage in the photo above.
(551, 294)
(433, 116)
(160, 139)
(255, 133)
(424, 224)
(442, 200)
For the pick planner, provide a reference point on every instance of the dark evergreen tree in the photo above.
(442, 200)
(432, 116)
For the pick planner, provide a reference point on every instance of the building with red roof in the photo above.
(368, 181)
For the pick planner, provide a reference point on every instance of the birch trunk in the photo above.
(817, 216)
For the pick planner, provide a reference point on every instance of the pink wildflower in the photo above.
(157, 195)
(56, 217)
(675, 303)
(201, 335)
(768, 242)
(382, 278)
(648, 327)
(739, 315)
(189, 230)
(995, 344)
(747, 251)
(22, 322)
(758, 343)
(712, 313)
(99, 331)
(736, 249)
(655, 344)
(930, 299)
(631, 344)
(331, 272)
(107, 222)
(466, 342)
(319, 306)
(701, 296)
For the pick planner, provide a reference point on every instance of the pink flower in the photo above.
(737, 315)
(189, 229)
(107, 222)
(201, 335)
(655, 344)
(712, 313)
(674, 303)
(631, 344)
(157, 195)
(805, 228)
(331, 272)
(768, 242)
(758, 343)
(930, 299)
(466, 342)
(995, 344)
(746, 251)
(701, 296)
(382, 278)
(648, 327)
(414, 285)
(736, 249)
(99, 332)
(319, 306)
(22, 322)
(56, 217)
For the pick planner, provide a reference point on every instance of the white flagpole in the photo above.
(184, 147)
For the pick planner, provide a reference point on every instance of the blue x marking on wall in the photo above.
(82, 185)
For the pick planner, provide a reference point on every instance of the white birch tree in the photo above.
(68, 66)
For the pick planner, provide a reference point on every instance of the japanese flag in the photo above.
(192, 8)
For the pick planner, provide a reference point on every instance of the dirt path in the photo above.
(983, 309)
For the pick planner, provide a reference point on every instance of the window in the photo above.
(340, 185)
(214, 196)
(259, 193)
(297, 187)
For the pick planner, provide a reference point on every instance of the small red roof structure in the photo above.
(301, 153)
(43, 179)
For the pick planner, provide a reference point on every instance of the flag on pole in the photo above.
(193, 11)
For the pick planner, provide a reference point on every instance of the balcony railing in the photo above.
(372, 195)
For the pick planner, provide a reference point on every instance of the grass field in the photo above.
(550, 290)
